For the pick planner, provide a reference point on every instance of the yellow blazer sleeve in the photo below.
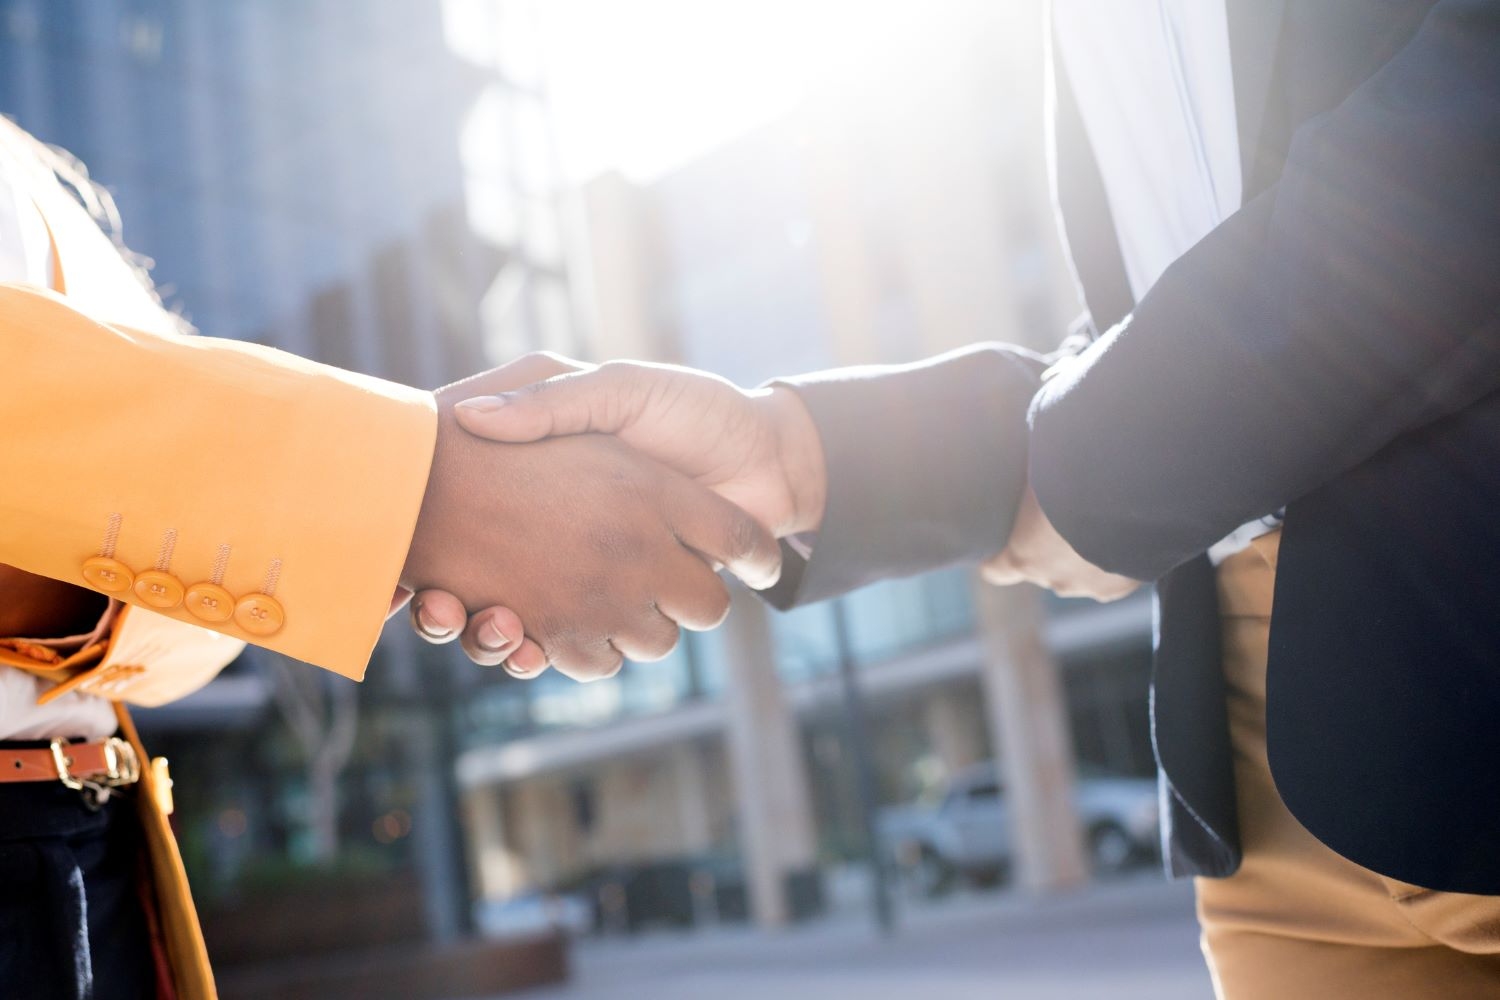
(221, 484)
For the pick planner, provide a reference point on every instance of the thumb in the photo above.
(589, 401)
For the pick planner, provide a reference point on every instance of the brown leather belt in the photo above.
(108, 763)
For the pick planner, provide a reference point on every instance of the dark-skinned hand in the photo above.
(756, 448)
(598, 552)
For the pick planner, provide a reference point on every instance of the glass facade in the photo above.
(342, 182)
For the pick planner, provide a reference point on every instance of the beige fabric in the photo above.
(1299, 922)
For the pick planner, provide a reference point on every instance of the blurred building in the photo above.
(371, 185)
(883, 224)
(374, 185)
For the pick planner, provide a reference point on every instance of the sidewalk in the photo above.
(1132, 940)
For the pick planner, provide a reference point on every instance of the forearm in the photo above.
(217, 463)
(1351, 303)
(925, 465)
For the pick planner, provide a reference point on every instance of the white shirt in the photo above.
(1156, 92)
(26, 257)
(1155, 88)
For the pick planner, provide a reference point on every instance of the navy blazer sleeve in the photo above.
(926, 463)
(1355, 300)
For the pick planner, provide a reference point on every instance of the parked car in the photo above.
(966, 833)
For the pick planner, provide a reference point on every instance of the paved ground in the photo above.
(1125, 941)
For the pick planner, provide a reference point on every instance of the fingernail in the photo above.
(430, 628)
(516, 671)
(482, 404)
(491, 639)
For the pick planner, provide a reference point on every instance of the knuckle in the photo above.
(554, 364)
(716, 605)
(569, 662)
(585, 660)
(660, 644)
(549, 632)
(602, 667)
(616, 369)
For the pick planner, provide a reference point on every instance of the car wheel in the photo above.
(987, 877)
(1110, 849)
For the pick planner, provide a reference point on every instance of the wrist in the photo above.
(798, 451)
(417, 563)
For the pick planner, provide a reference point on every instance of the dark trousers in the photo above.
(71, 922)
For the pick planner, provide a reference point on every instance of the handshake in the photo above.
(578, 515)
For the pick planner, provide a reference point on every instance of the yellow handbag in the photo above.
(176, 918)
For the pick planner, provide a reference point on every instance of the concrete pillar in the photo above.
(765, 757)
(638, 805)
(690, 785)
(496, 870)
(955, 728)
(545, 830)
(1029, 721)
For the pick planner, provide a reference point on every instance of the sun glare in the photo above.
(644, 87)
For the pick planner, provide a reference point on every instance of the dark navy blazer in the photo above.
(1332, 349)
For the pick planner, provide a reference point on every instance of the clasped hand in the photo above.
(591, 550)
(615, 492)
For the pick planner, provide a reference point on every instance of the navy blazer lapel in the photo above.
(1254, 30)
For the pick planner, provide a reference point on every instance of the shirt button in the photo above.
(259, 614)
(209, 602)
(108, 575)
(158, 589)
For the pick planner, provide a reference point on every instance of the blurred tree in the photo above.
(322, 712)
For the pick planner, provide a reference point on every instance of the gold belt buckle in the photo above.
(63, 761)
(122, 765)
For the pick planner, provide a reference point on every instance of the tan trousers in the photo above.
(1297, 920)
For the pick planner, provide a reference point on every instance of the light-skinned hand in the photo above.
(1037, 553)
(756, 448)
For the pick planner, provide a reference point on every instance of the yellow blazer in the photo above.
(228, 492)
